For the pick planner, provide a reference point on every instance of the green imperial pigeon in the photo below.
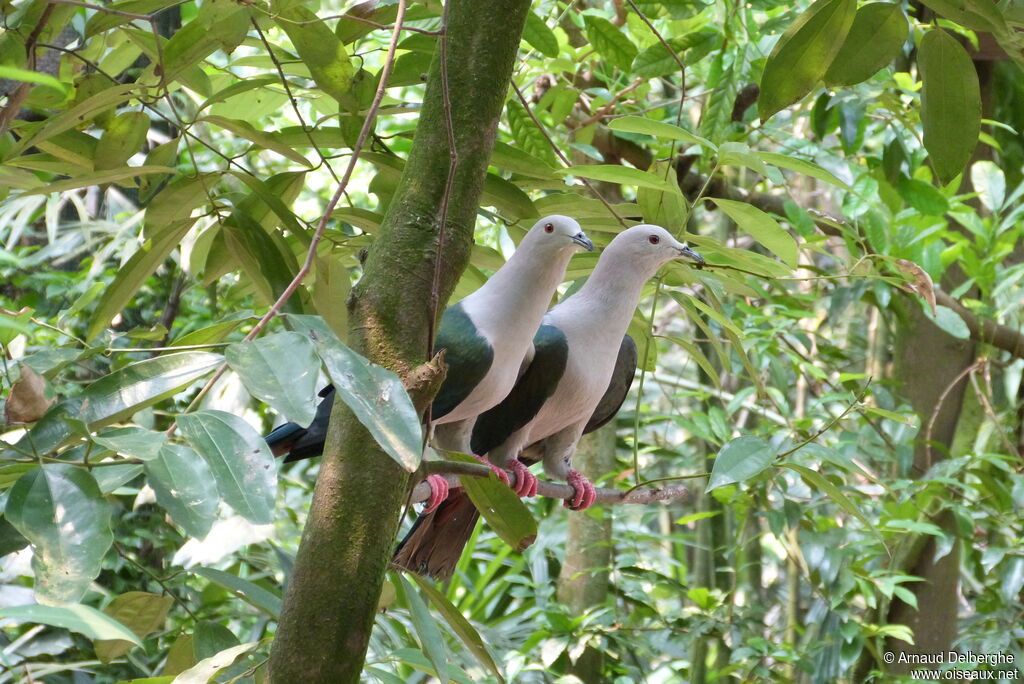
(486, 337)
(578, 375)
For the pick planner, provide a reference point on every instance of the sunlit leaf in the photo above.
(280, 369)
(75, 617)
(185, 487)
(239, 458)
(739, 460)
(374, 394)
(950, 102)
(60, 510)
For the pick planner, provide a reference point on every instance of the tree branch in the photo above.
(451, 470)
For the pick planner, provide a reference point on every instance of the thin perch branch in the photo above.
(450, 470)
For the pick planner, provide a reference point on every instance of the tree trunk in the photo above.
(583, 580)
(328, 612)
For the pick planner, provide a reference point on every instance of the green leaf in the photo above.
(244, 129)
(876, 38)
(61, 511)
(537, 34)
(505, 512)
(211, 334)
(268, 263)
(125, 135)
(141, 612)
(739, 154)
(624, 175)
(610, 41)
(924, 197)
(239, 458)
(99, 178)
(77, 115)
(526, 134)
(251, 593)
(185, 487)
(507, 198)
(803, 54)
(819, 481)
(515, 160)
(176, 201)
(134, 442)
(990, 182)
(978, 15)
(14, 73)
(205, 670)
(808, 168)
(656, 60)
(133, 274)
(426, 629)
(281, 370)
(117, 396)
(762, 227)
(468, 634)
(950, 103)
(76, 617)
(319, 48)
(374, 394)
(659, 129)
(739, 460)
(950, 321)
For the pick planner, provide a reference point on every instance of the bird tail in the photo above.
(281, 438)
(435, 542)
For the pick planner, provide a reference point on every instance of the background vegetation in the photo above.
(843, 384)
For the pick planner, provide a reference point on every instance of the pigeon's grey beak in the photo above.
(583, 241)
(685, 251)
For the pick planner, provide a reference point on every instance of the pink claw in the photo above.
(526, 482)
(438, 492)
(502, 475)
(584, 493)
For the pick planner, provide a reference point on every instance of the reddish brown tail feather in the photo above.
(436, 540)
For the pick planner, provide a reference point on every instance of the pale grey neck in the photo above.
(522, 289)
(614, 290)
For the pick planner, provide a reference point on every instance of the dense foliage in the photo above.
(843, 383)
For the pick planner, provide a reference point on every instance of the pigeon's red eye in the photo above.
(549, 228)
(654, 239)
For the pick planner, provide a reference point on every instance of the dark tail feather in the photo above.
(281, 438)
(299, 442)
(435, 542)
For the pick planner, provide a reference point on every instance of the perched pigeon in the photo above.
(578, 375)
(486, 337)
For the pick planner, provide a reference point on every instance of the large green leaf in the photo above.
(659, 129)
(141, 612)
(426, 629)
(251, 593)
(950, 103)
(117, 396)
(739, 460)
(133, 274)
(610, 41)
(624, 175)
(762, 227)
(280, 369)
(61, 511)
(77, 115)
(318, 47)
(821, 482)
(808, 168)
(656, 60)
(537, 34)
(125, 135)
(134, 442)
(803, 54)
(76, 617)
(246, 130)
(239, 458)
(205, 670)
(504, 512)
(375, 394)
(100, 178)
(185, 486)
(876, 38)
(466, 632)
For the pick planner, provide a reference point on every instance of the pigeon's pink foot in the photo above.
(526, 482)
(501, 474)
(438, 492)
(584, 493)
